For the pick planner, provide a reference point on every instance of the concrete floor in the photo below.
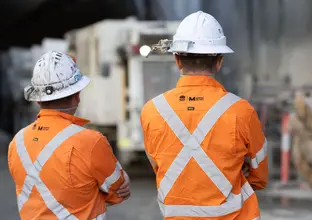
(143, 205)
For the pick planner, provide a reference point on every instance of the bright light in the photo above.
(145, 50)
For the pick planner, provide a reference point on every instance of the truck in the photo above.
(122, 79)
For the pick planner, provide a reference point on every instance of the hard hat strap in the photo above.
(162, 46)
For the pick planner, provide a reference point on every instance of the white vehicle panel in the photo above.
(147, 79)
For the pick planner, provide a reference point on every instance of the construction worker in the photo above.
(199, 137)
(62, 170)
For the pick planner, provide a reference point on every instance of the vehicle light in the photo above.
(145, 50)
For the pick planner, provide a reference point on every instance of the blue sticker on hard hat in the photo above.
(77, 76)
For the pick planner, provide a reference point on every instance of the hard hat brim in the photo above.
(205, 49)
(80, 85)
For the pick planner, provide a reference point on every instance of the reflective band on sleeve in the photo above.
(192, 149)
(112, 178)
(119, 165)
(260, 156)
(101, 217)
(33, 179)
(258, 218)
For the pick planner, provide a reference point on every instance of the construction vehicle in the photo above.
(122, 79)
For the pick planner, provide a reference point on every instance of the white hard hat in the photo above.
(55, 76)
(199, 33)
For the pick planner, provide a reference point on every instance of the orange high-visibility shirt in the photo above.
(197, 137)
(62, 170)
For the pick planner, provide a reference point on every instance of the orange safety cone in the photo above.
(285, 149)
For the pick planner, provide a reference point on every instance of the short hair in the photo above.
(57, 101)
(199, 63)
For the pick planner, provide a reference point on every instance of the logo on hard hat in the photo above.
(77, 76)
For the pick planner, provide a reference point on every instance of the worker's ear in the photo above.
(219, 63)
(178, 62)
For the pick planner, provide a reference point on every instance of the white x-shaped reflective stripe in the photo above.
(33, 171)
(192, 149)
(234, 203)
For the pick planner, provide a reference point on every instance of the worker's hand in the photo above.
(124, 190)
(246, 171)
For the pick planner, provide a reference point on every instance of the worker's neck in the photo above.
(198, 73)
(67, 110)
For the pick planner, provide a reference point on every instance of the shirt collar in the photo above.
(74, 119)
(185, 81)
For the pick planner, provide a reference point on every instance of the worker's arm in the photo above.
(257, 157)
(9, 157)
(149, 148)
(109, 174)
(121, 194)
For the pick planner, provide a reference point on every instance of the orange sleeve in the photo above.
(257, 154)
(149, 150)
(9, 157)
(106, 170)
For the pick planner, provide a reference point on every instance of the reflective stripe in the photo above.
(258, 218)
(101, 217)
(260, 156)
(246, 191)
(113, 178)
(119, 165)
(192, 149)
(233, 204)
(33, 179)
